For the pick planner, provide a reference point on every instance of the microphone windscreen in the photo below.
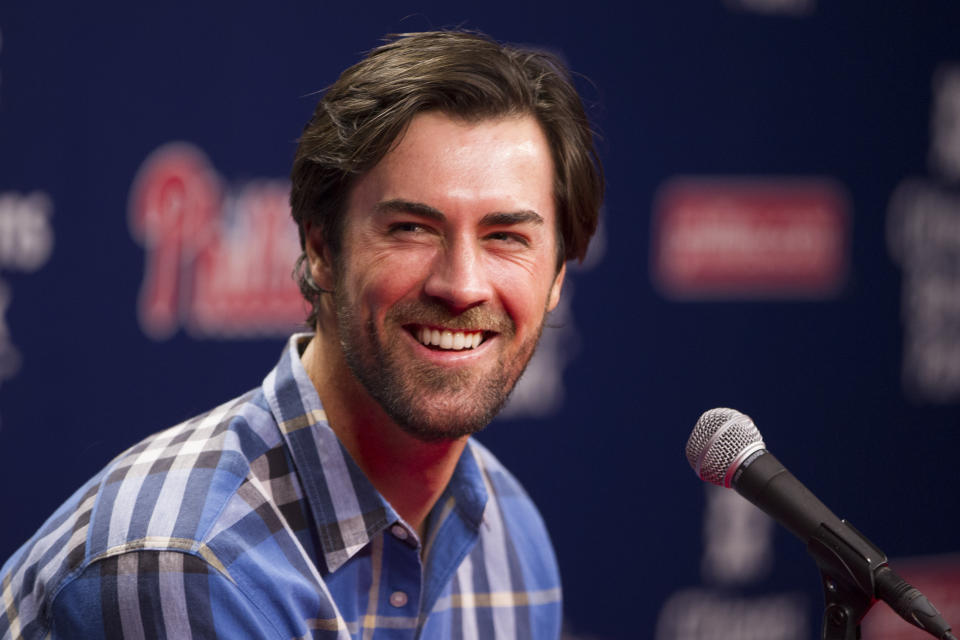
(721, 439)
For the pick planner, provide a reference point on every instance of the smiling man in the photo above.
(440, 187)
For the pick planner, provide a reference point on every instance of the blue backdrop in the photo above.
(856, 389)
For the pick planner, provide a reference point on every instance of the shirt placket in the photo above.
(398, 578)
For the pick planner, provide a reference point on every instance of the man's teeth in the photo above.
(455, 340)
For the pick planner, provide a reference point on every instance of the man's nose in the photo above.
(458, 277)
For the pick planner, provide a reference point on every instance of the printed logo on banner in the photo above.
(923, 236)
(218, 260)
(26, 243)
(737, 552)
(748, 238)
(923, 231)
(945, 123)
(938, 578)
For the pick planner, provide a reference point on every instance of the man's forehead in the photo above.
(439, 129)
(439, 158)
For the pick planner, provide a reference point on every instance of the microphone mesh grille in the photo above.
(714, 452)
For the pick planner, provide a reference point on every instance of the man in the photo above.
(439, 189)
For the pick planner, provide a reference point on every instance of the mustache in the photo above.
(438, 315)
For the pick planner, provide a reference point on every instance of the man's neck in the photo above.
(409, 473)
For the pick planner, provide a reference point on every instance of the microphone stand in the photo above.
(855, 573)
(848, 564)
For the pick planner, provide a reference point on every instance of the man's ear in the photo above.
(555, 288)
(318, 257)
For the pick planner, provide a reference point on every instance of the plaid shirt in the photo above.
(252, 521)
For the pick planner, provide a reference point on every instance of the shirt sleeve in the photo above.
(156, 594)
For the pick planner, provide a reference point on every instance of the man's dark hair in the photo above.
(465, 75)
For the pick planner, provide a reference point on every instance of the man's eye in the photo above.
(508, 238)
(406, 227)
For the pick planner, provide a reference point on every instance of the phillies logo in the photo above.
(218, 260)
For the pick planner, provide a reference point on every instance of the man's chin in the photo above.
(437, 423)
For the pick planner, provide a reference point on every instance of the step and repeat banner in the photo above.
(781, 235)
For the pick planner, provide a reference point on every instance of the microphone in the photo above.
(726, 449)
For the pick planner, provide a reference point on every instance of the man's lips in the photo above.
(445, 339)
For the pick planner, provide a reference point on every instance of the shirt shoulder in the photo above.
(510, 509)
(165, 493)
(506, 488)
(155, 594)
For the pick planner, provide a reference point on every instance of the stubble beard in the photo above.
(427, 401)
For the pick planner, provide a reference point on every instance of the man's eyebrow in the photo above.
(495, 219)
(500, 219)
(406, 206)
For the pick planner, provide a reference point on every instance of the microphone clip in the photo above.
(848, 564)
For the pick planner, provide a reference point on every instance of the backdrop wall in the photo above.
(781, 234)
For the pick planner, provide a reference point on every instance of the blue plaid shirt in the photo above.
(252, 521)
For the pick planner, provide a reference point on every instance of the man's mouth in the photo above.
(447, 339)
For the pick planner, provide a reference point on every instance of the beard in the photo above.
(427, 401)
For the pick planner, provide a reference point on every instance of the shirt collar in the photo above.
(347, 509)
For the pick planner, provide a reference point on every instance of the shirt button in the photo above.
(399, 532)
(398, 599)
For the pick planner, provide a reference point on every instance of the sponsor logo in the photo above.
(945, 123)
(923, 234)
(26, 236)
(702, 614)
(737, 553)
(218, 259)
(737, 539)
(923, 237)
(9, 355)
(26, 243)
(729, 238)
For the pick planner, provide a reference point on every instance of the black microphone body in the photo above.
(765, 482)
(847, 560)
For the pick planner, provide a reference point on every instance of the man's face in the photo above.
(447, 269)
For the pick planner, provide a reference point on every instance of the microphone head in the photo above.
(720, 442)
